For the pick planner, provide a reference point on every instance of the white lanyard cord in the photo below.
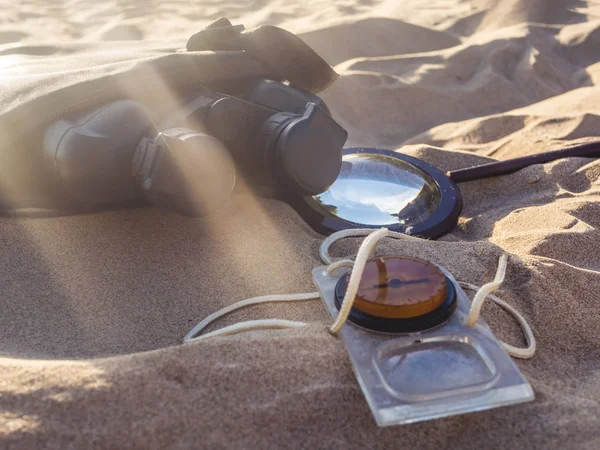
(364, 253)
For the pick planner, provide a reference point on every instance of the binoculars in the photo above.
(275, 135)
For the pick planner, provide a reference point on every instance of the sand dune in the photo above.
(387, 36)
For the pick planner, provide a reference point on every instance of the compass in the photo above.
(399, 294)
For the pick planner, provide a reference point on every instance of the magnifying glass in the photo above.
(381, 188)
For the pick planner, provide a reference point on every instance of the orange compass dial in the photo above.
(400, 287)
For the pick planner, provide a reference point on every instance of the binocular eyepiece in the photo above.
(279, 136)
(184, 171)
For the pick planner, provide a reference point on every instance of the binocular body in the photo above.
(276, 136)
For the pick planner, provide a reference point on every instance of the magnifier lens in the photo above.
(379, 190)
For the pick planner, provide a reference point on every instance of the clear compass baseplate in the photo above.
(444, 370)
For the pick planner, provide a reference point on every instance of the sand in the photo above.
(94, 307)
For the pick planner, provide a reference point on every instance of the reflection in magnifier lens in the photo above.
(376, 190)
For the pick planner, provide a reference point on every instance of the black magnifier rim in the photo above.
(441, 221)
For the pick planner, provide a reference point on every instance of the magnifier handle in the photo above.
(588, 150)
